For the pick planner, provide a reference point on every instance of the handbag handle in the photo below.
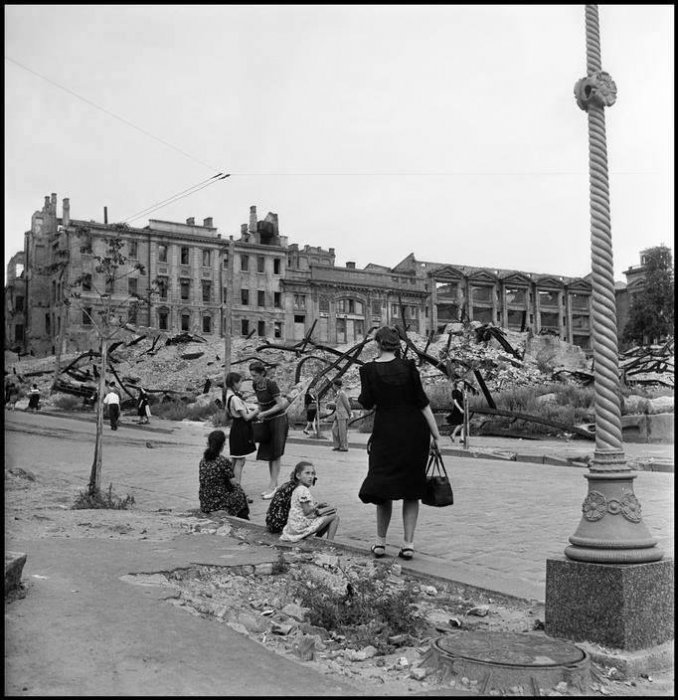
(435, 463)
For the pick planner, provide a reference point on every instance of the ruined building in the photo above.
(274, 289)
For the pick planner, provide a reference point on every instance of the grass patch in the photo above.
(178, 410)
(67, 402)
(367, 613)
(86, 500)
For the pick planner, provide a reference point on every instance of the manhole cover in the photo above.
(504, 661)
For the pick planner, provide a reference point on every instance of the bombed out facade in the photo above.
(275, 289)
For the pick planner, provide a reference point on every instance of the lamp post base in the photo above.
(626, 606)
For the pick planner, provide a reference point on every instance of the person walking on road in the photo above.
(272, 407)
(218, 488)
(143, 407)
(306, 517)
(404, 432)
(456, 416)
(240, 436)
(34, 398)
(311, 413)
(342, 415)
(112, 400)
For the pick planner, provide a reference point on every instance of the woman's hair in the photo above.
(299, 467)
(257, 366)
(232, 378)
(388, 339)
(215, 443)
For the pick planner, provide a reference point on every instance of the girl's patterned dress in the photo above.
(216, 490)
(300, 525)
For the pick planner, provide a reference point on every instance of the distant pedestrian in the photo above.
(306, 517)
(34, 398)
(310, 403)
(112, 400)
(403, 433)
(143, 407)
(240, 436)
(272, 407)
(218, 488)
(456, 416)
(342, 415)
(11, 392)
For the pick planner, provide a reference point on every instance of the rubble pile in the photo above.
(261, 602)
(652, 364)
(188, 367)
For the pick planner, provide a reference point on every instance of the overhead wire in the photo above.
(111, 114)
(163, 203)
(176, 197)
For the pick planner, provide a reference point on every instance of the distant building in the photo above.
(624, 293)
(274, 289)
(512, 299)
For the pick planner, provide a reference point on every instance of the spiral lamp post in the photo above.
(588, 593)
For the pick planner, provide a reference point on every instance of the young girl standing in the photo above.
(306, 517)
(240, 442)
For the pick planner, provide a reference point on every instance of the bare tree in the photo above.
(105, 312)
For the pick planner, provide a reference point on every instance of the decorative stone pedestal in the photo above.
(625, 606)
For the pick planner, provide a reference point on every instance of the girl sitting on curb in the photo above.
(306, 517)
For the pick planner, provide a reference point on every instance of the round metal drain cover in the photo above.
(505, 661)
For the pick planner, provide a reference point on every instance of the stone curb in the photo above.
(14, 565)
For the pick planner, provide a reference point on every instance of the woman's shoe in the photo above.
(406, 553)
(269, 496)
(378, 550)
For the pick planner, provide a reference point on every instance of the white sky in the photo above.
(447, 131)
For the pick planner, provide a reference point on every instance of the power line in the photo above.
(115, 116)
(176, 197)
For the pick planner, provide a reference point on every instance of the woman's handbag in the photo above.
(261, 431)
(438, 487)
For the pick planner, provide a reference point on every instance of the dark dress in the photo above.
(240, 436)
(274, 447)
(455, 416)
(311, 408)
(400, 441)
(142, 405)
(216, 490)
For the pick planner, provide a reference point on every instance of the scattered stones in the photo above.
(418, 673)
(295, 611)
(305, 648)
(361, 655)
(479, 611)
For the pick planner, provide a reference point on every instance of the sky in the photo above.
(446, 131)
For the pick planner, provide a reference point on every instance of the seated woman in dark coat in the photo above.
(218, 488)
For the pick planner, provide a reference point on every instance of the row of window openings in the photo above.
(513, 295)
(450, 312)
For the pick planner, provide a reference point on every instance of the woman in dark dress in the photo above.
(218, 488)
(143, 410)
(456, 416)
(272, 407)
(404, 428)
